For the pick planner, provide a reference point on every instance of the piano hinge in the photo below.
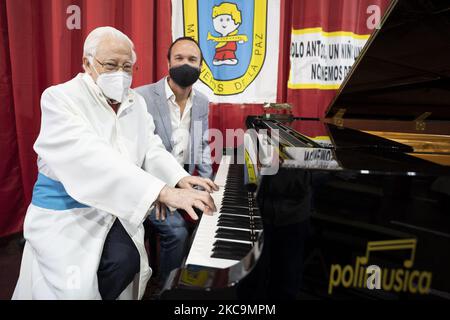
(338, 118)
(420, 121)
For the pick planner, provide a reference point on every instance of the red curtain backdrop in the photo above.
(331, 15)
(38, 50)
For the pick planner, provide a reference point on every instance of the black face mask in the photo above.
(184, 75)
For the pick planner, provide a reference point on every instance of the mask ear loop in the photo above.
(91, 61)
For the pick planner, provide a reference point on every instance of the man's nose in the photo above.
(186, 61)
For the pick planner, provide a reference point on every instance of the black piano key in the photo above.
(258, 226)
(234, 234)
(235, 209)
(233, 255)
(236, 203)
(234, 250)
(234, 198)
(227, 255)
(235, 193)
(233, 217)
(231, 244)
(245, 212)
(234, 182)
(226, 216)
(235, 187)
(238, 211)
(241, 225)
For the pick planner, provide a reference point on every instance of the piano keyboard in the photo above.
(223, 239)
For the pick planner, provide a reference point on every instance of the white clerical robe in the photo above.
(94, 166)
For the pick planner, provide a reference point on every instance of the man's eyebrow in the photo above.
(116, 60)
(180, 55)
(111, 60)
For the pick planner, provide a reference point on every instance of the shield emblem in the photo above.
(232, 37)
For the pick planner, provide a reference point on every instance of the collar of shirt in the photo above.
(180, 125)
(170, 96)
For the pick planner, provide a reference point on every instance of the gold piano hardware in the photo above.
(338, 118)
(421, 143)
(420, 121)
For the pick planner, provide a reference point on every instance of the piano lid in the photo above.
(349, 150)
(403, 72)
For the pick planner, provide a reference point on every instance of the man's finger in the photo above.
(190, 186)
(162, 212)
(212, 184)
(209, 211)
(202, 183)
(191, 212)
(203, 207)
(166, 209)
(208, 200)
(157, 211)
(199, 205)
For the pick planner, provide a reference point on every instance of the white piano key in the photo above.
(202, 246)
(222, 172)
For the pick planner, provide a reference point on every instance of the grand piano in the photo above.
(359, 206)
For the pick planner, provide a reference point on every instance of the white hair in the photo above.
(95, 36)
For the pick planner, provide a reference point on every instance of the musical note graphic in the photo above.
(392, 245)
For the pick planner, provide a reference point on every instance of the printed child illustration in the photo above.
(226, 21)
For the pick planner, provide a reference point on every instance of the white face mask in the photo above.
(114, 85)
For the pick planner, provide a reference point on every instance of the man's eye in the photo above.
(110, 65)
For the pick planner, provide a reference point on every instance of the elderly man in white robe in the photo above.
(102, 170)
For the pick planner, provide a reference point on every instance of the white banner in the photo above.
(239, 41)
(322, 60)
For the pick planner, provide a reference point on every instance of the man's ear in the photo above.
(86, 64)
